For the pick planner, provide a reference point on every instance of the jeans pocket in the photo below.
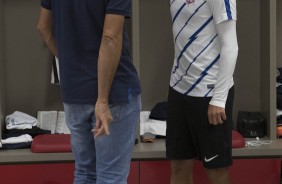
(70, 112)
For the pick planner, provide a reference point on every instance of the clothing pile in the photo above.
(19, 131)
(279, 101)
(153, 123)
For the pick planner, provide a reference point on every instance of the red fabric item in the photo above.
(51, 143)
(238, 140)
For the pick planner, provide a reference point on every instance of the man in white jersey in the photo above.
(199, 124)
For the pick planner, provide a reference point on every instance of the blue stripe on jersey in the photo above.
(203, 74)
(191, 40)
(189, 19)
(208, 92)
(195, 60)
(178, 12)
(172, 2)
(228, 9)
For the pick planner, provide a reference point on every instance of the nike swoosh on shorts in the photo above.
(210, 159)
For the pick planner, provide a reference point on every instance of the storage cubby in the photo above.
(279, 33)
(2, 70)
(27, 61)
(268, 64)
(279, 37)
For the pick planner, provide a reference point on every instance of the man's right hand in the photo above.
(103, 119)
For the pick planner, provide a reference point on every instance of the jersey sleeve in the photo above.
(119, 7)
(228, 57)
(223, 10)
(46, 4)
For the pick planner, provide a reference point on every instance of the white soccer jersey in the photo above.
(197, 48)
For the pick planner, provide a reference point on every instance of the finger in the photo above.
(106, 129)
(99, 133)
(96, 135)
(210, 117)
(94, 130)
(210, 120)
(98, 130)
(98, 123)
(219, 118)
(215, 119)
(223, 116)
(216, 122)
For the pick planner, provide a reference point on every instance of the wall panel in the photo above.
(247, 72)
(2, 74)
(156, 51)
(28, 61)
(279, 33)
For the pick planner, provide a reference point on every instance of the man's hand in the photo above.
(103, 119)
(216, 115)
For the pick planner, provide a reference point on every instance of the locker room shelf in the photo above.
(142, 151)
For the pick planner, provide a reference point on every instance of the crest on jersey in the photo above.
(190, 1)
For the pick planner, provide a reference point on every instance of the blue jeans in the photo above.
(106, 159)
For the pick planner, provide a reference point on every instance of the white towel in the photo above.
(20, 119)
(150, 125)
(20, 139)
(278, 112)
(19, 127)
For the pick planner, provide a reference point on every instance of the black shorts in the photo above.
(189, 134)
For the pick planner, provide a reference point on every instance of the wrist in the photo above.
(102, 101)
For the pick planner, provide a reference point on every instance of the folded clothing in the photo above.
(23, 145)
(153, 126)
(279, 100)
(17, 132)
(20, 139)
(20, 120)
(159, 111)
(51, 143)
(279, 75)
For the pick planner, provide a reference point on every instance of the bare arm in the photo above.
(109, 57)
(44, 26)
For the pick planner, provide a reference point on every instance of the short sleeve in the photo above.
(46, 4)
(223, 10)
(119, 7)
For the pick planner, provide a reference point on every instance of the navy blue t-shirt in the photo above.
(78, 28)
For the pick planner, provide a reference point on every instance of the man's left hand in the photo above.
(216, 115)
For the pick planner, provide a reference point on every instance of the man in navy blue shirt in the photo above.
(99, 84)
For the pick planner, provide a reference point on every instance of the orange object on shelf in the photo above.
(279, 131)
